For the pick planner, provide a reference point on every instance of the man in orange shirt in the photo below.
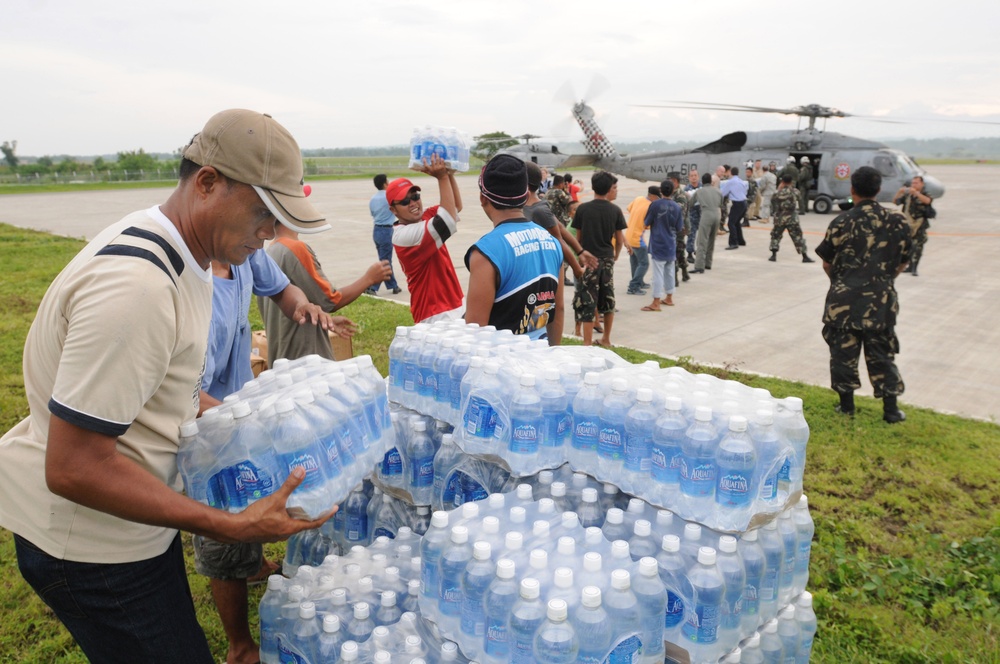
(635, 243)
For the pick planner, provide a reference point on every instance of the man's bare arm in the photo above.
(482, 289)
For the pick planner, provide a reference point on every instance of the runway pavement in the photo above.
(747, 313)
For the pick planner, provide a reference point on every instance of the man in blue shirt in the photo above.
(736, 190)
(665, 220)
(382, 233)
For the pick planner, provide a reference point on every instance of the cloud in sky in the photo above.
(108, 75)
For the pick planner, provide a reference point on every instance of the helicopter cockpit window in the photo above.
(883, 164)
(906, 166)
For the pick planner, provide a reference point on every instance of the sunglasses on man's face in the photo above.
(410, 197)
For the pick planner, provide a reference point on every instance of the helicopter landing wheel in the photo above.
(822, 205)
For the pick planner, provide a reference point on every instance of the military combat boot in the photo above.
(684, 274)
(774, 257)
(891, 412)
(806, 259)
(846, 405)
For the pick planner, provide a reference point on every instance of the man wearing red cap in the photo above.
(419, 238)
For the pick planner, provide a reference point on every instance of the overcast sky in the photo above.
(101, 76)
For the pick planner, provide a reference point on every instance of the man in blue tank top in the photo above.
(514, 269)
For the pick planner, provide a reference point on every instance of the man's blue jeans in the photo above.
(120, 612)
(383, 243)
(639, 262)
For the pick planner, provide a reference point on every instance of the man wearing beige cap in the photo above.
(112, 368)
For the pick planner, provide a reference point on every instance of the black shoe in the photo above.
(914, 271)
(568, 282)
(774, 257)
(894, 416)
(370, 291)
(686, 277)
(690, 258)
(746, 224)
(707, 267)
(806, 259)
(731, 248)
(397, 290)
(697, 271)
(844, 411)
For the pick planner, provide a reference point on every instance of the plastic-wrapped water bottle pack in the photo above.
(450, 144)
(330, 419)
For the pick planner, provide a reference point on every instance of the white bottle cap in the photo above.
(764, 416)
(496, 501)
(539, 559)
(492, 368)
(382, 657)
(448, 439)
(642, 528)
(671, 543)
(513, 540)
(470, 511)
(530, 588)
(420, 425)
(579, 480)
(558, 489)
(787, 613)
(706, 555)
(331, 623)
(545, 477)
(189, 429)
(339, 596)
(771, 525)
(610, 489)
(803, 503)
(620, 550)
(727, 544)
(528, 380)
(482, 550)
(349, 651)
(412, 644)
(540, 528)
(491, 525)
(296, 593)
(566, 546)
(592, 378)
(366, 585)
(644, 395)
(648, 566)
(664, 518)
(563, 577)
(240, 408)
(459, 534)
(524, 492)
(753, 641)
(546, 506)
(284, 406)
(589, 495)
(307, 610)
(621, 579)
(380, 634)
(636, 506)
(703, 413)
(590, 597)
(733, 657)
(517, 514)
(361, 611)
(593, 536)
(737, 423)
(771, 627)
(794, 403)
(749, 536)
(570, 520)
(413, 586)
(449, 651)
(556, 611)
(805, 599)
(505, 568)
(673, 403)
(275, 582)
(388, 598)
(592, 561)
(692, 531)
(619, 385)
(392, 572)
(615, 516)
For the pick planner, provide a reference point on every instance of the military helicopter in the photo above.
(546, 155)
(832, 157)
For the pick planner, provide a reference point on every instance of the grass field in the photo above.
(905, 564)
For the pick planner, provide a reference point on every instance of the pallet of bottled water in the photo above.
(358, 605)
(448, 143)
(331, 419)
(514, 579)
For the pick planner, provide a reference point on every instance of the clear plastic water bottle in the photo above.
(794, 428)
(388, 613)
(359, 629)
(480, 417)
(609, 496)
(269, 612)
(586, 424)
(297, 446)
(788, 632)
(356, 517)
(698, 467)
(691, 542)
(770, 459)
(476, 580)
(556, 641)
(557, 422)
(754, 564)
(499, 601)
(701, 630)
(446, 481)
(420, 451)
(559, 499)
(590, 511)
(525, 427)
(249, 450)
(410, 359)
(804, 533)
(538, 567)
(592, 573)
(526, 617)
(456, 372)
(771, 646)
(673, 574)
(331, 639)
(639, 424)
(592, 627)
(806, 618)
(396, 350)
(442, 378)
(789, 540)
(750, 652)
(652, 598)
(665, 455)
(454, 559)
(734, 576)
(642, 543)
(623, 612)
(774, 554)
(611, 439)
(736, 461)
(431, 547)
(426, 377)
(614, 527)
(411, 601)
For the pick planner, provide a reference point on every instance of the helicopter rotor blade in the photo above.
(565, 95)
(599, 84)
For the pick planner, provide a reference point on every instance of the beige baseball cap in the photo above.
(254, 149)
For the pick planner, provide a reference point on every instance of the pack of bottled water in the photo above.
(331, 419)
(450, 144)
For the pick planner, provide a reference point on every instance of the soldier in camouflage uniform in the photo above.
(783, 207)
(559, 200)
(915, 205)
(789, 169)
(803, 182)
(863, 251)
(751, 196)
(679, 197)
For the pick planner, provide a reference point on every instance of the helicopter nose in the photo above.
(933, 186)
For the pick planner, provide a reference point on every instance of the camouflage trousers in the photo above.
(595, 292)
(794, 231)
(919, 239)
(803, 199)
(682, 263)
(880, 348)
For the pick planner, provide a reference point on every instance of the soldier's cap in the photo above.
(674, 175)
(398, 189)
(252, 148)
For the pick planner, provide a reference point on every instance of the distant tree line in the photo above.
(133, 163)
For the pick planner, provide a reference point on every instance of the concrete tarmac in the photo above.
(746, 313)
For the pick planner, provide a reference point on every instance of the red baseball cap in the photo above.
(398, 189)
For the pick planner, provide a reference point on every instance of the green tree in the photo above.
(100, 164)
(136, 160)
(8, 149)
(488, 145)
